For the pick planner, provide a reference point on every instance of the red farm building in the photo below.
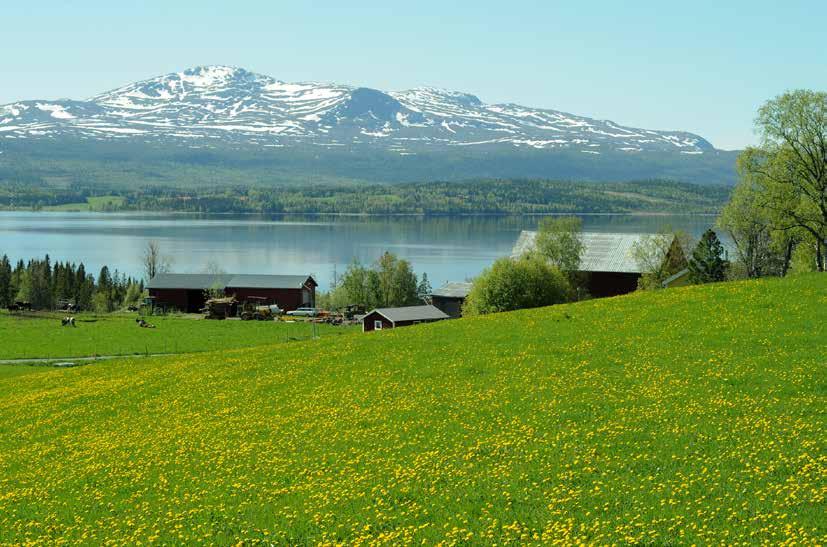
(188, 292)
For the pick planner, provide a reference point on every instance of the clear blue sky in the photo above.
(698, 66)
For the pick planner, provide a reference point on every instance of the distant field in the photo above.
(95, 203)
(40, 335)
(689, 416)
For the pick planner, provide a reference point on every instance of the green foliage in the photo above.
(429, 198)
(789, 168)
(44, 286)
(6, 287)
(527, 282)
(389, 282)
(133, 295)
(631, 420)
(660, 256)
(131, 164)
(707, 263)
(424, 289)
(750, 226)
(803, 259)
(559, 241)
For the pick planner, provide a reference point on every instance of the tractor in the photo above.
(255, 307)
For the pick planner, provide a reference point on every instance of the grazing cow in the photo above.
(68, 322)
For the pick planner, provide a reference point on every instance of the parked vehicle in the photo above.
(304, 312)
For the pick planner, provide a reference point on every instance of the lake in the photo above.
(446, 248)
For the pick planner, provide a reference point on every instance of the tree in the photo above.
(393, 282)
(560, 242)
(6, 296)
(790, 165)
(424, 289)
(133, 294)
(352, 288)
(527, 282)
(707, 264)
(660, 256)
(750, 228)
(389, 282)
(216, 290)
(154, 262)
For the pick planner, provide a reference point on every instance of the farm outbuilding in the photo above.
(450, 297)
(188, 292)
(390, 318)
(608, 259)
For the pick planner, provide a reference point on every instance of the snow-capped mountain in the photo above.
(212, 104)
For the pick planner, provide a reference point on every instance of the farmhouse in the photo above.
(390, 318)
(450, 297)
(608, 259)
(187, 292)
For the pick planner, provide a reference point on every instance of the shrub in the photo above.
(527, 282)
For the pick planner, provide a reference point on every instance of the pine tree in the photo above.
(424, 290)
(707, 264)
(6, 296)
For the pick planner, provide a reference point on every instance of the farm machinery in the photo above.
(219, 308)
(255, 307)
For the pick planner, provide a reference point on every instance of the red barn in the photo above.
(188, 292)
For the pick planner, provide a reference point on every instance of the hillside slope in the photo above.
(690, 415)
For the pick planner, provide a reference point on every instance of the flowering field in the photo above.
(692, 415)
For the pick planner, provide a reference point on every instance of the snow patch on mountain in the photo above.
(235, 105)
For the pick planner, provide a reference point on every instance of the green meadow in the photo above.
(92, 203)
(40, 335)
(686, 416)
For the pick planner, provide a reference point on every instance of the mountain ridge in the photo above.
(231, 104)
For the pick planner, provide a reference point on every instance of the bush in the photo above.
(528, 282)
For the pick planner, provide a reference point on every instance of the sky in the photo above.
(699, 66)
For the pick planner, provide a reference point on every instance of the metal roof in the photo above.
(411, 313)
(249, 281)
(603, 252)
(188, 281)
(209, 281)
(453, 290)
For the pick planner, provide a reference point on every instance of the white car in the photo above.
(304, 312)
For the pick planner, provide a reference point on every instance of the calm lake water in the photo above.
(447, 249)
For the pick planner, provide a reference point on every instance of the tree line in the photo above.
(45, 286)
(479, 196)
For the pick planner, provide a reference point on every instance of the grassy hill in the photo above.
(692, 415)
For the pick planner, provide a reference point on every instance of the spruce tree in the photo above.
(6, 296)
(424, 290)
(707, 264)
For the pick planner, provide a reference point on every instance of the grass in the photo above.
(93, 203)
(693, 415)
(40, 335)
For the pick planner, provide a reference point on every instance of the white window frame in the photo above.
(377, 324)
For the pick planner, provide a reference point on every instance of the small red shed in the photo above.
(390, 318)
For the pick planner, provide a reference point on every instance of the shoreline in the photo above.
(364, 215)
